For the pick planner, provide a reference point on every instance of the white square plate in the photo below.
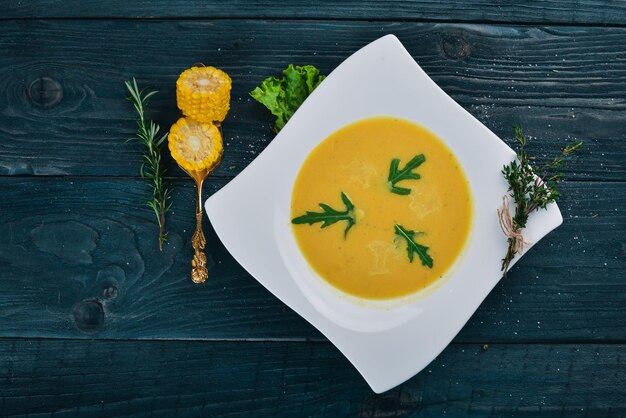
(388, 342)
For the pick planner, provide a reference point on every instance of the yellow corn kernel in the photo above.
(203, 93)
(195, 146)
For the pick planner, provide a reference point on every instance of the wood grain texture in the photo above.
(79, 259)
(63, 110)
(169, 378)
(82, 257)
(547, 11)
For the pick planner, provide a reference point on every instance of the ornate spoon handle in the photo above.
(199, 272)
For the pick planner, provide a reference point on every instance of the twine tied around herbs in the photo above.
(507, 226)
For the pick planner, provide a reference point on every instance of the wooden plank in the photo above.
(79, 259)
(169, 378)
(550, 11)
(561, 83)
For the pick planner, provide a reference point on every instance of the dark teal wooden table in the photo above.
(94, 320)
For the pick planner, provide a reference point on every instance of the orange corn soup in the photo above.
(372, 262)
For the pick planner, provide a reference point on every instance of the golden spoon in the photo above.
(197, 148)
(195, 141)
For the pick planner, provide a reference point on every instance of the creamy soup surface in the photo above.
(371, 260)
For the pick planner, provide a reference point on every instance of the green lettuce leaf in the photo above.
(283, 96)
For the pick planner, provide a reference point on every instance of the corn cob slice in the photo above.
(203, 93)
(195, 146)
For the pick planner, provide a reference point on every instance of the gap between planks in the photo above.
(520, 23)
(315, 340)
(219, 177)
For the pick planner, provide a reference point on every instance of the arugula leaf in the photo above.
(329, 216)
(283, 96)
(396, 175)
(413, 247)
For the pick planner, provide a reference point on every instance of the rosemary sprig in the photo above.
(151, 167)
(396, 174)
(529, 191)
(329, 216)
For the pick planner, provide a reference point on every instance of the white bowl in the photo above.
(388, 342)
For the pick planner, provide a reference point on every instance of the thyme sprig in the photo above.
(151, 168)
(529, 191)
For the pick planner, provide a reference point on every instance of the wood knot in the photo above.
(110, 292)
(45, 92)
(89, 315)
(108, 282)
(456, 47)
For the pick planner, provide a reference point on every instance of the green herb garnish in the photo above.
(329, 215)
(151, 168)
(283, 96)
(529, 191)
(413, 247)
(396, 175)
